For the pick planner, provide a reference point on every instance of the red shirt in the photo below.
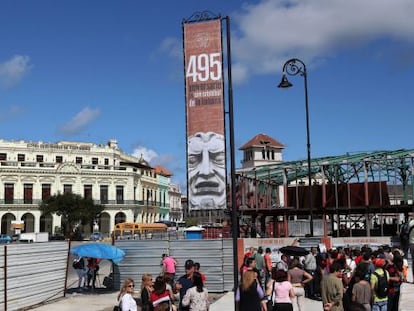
(157, 299)
(203, 277)
(268, 261)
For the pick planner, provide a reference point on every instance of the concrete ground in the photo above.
(104, 300)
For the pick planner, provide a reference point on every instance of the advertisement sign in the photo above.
(206, 156)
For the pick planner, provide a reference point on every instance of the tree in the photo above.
(73, 209)
(189, 222)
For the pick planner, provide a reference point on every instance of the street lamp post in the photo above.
(294, 67)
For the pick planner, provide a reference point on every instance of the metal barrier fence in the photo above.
(144, 256)
(39, 267)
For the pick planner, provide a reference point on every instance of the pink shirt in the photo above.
(169, 264)
(282, 291)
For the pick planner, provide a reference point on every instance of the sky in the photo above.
(96, 70)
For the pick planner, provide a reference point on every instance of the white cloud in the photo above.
(267, 33)
(14, 70)
(80, 121)
(147, 154)
(270, 32)
(167, 161)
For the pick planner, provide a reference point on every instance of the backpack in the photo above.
(78, 263)
(381, 288)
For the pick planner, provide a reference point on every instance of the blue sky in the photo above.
(92, 71)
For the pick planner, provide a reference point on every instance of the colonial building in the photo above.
(261, 150)
(128, 187)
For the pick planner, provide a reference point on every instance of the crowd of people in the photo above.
(166, 292)
(342, 278)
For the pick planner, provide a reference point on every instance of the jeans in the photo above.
(82, 276)
(310, 286)
(379, 306)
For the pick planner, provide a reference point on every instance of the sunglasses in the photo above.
(132, 285)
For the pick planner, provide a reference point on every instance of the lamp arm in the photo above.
(295, 66)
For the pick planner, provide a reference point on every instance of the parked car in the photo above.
(5, 239)
(96, 236)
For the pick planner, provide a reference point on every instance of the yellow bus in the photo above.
(133, 230)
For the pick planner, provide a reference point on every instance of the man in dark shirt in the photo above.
(184, 283)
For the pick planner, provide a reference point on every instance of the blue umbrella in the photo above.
(99, 250)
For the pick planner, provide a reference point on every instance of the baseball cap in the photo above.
(189, 264)
(379, 262)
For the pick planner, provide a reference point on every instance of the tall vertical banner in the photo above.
(204, 85)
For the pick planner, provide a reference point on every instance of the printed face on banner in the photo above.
(206, 156)
(206, 170)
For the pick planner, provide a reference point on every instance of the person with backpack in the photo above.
(379, 286)
(81, 270)
(365, 265)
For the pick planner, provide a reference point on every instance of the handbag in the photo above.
(270, 301)
(117, 307)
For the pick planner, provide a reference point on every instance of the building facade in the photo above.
(128, 187)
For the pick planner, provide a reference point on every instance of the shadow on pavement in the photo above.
(90, 291)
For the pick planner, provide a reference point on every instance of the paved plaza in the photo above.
(104, 300)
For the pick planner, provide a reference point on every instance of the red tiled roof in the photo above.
(162, 171)
(261, 140)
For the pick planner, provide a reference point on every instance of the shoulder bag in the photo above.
(270, 301)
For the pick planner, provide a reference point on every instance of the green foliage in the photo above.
(73, 209)
(189, 222)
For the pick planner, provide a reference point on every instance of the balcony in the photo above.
(124, 203)
(20, 202)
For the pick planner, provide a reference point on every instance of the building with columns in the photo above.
(129, 188)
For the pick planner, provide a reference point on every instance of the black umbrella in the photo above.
(294, 250)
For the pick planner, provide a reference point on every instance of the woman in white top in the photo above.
(126, 301)
(197, 296)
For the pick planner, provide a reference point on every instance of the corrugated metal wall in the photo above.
(144, 256)
(33, 273)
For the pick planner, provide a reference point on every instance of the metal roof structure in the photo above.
(353, 188)
(350, 167)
